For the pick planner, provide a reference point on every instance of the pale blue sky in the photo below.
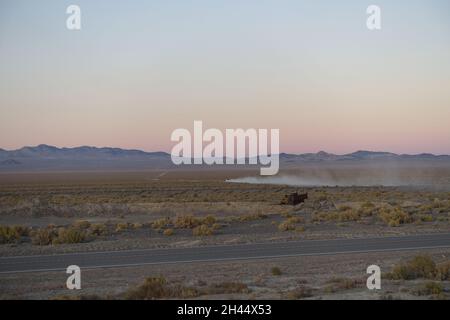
(139, 69)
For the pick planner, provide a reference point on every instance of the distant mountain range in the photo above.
(45, 157)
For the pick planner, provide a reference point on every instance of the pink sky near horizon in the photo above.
(310, 69)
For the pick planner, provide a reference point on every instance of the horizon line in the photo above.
(168, 153)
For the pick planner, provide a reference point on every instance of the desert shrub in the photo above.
(252, 217)
(290, 224)
(159, 288)
(368, 205)
(161, 223)
(209, 220)
(423, 217)
(44, 236)
(70, 235)
(122, 226)
(186, 222)
(299, 293)
(77, 297)
(276, 271)
(152, 288)
(394, 217)
(228, 288)
(137, 225)
(340, 284)
(203, 230)
(338, 216)
(443, 271)
(82, 224)
(12, 234)
(98, 229)
(168, 232)
(429, 288)
(344, 208)
(418, 267)
(216, 226)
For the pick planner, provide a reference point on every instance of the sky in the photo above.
(137, 70)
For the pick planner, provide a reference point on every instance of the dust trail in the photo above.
(362, 176)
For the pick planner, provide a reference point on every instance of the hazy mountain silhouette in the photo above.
(46, 157)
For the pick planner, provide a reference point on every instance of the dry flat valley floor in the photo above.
(72, 212)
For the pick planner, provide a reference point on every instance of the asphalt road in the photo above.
(109, 259)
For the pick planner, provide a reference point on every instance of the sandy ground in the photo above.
(314, 273)
(245, 213)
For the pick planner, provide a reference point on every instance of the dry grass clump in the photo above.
(421, 266)
(203, 230)
(340, 284)
(290, 224)
(276, 271)
(168, 232)
(430, 288)
(343, 214)
(227, 288)
(251, 217)
(159, 288)
(123, 226)
(82, 224)
(12, 234)
(394, 217)
(186, 222)
(161, 223)
(299, 293)
(98, 229)
(44, 236)
(53, 235)
(443, 271)
(209, 220)
(78, 297)
(70, 235)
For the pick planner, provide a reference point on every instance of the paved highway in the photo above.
(108, 259)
